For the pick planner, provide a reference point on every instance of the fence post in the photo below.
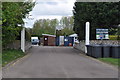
(23, 40)
(87, 35)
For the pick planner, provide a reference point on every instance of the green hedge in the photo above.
(113, 37)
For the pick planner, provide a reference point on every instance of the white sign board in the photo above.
(102, 34)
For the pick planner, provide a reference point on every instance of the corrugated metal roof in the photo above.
(73, 35)
(49, 35)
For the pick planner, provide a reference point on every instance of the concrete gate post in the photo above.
(23, 40)
(87, 35)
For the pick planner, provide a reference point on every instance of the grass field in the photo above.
(113, 61)
(10, 55)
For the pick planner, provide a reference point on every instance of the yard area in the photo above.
(10, 55)
(58, 62)
(112, 61)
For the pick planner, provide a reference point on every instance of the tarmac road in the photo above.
(58, 62)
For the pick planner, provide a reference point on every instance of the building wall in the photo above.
(17, 45)
(109, 42)
(45, 41)
(51, 41)
(80, 46)
(14, 45)
(28, 45)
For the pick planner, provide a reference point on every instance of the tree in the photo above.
(99, 14)
(67, 26)
(44, 26)
(12, 16)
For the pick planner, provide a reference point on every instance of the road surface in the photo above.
(58, 62)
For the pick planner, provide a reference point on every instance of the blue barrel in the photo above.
(57, 41)
(66, 41)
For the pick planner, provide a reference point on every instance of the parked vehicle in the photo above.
(35, 40)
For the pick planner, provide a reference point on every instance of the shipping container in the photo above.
(66, 41)
(61, 42)
(71, 41)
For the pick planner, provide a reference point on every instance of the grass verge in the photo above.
(112, 61)
(11, 55)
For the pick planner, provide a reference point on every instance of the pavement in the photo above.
(58, 62)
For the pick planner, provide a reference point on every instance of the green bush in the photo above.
(113, 37)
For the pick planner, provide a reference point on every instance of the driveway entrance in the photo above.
(58, 62)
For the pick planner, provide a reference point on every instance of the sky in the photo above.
(49, 9)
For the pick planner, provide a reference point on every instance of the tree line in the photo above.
(63, 27)
(99, 14)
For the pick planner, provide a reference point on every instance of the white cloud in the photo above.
(50, 9)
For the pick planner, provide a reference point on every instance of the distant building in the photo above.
(49, 40)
